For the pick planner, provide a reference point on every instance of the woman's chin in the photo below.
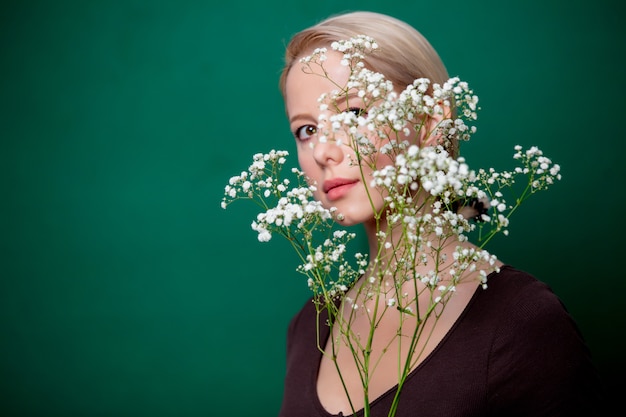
(347, 219)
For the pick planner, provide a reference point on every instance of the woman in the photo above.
(510, 349)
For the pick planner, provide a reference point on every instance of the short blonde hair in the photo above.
(404, 54)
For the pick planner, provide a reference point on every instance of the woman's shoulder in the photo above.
(533, 337)
(514, 286)
(512, 277)
(519, 305)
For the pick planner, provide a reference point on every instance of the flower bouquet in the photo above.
(435, 205)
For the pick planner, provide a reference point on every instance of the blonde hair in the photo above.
(404, 54)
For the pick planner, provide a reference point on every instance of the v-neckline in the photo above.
(325, 334)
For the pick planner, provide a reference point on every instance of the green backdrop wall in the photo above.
(125, 290)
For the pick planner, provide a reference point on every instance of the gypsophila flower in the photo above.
(432, 199)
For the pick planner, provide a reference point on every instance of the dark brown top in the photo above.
(514, 351)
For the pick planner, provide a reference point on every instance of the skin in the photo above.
(329, 161)
(328, 164)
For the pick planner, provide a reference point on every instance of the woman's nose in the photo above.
(330, 151)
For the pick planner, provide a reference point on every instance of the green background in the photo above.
(125, 290)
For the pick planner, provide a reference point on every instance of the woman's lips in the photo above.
(337, 187)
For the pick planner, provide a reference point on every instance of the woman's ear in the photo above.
(431, 135)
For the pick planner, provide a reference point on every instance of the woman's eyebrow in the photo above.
(346, 98)
(299, 116)
(340, 101)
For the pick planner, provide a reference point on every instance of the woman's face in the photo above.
(331, 165)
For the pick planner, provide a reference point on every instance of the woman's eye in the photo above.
(357, 111)
(305, 132)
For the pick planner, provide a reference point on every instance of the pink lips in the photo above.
(337, 187)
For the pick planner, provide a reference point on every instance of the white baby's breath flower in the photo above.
(432, 199)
